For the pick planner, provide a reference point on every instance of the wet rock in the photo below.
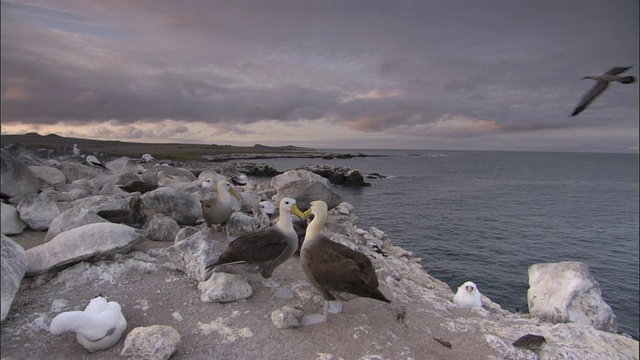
(11, 223)
(14, 265)
(567, 292)
(224, 288)
(15, 178)
(156, 342)
(38, 212)
(183, 207)
(82, 243)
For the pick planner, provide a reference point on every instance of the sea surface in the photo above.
(487, 216)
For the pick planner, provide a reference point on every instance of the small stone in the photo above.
(286, 317)
(157, 342)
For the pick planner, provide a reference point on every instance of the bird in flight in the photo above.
(602, 82)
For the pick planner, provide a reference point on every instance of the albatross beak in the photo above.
(297, 212)
(307, 213)
(234, 193)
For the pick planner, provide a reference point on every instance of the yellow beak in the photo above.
(234, 193)
(297, 212)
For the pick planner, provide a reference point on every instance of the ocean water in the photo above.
(487, 216)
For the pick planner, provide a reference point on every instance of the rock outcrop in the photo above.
(11, 223)
(14, 266)
(567, 292)
(16, 178)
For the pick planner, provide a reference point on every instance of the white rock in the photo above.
(38, 212)
(11, 223)
(567, 292)
(14, 265)
(286, 317)
(157, 342)
(71, 219)
(183, 207)
(194, 253)
(82, 243)
(224, 288)
(162, 228)
(48, 175)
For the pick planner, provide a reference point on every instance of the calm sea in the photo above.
(487, 216)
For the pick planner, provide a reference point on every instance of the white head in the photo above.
(288, 206)
(468, 295)
(225, 187)
(267, 207)
(207, 183)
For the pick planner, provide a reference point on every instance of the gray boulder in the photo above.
(15, 178)
(48, 175)
(124, 164)
(241, 224)
(151, 175)
(101, 202)
(82, 243)
(162, 228)
(185, 233)
(283, 179)
(184, 208)
(14, 265)
(286, 317)
(304, 192)
(224, 288)
(343, 176)
(75, 171)
(156, 342)
(11, 223)
(194, 253)
(567, 292)
(70, 219)
(38, 212)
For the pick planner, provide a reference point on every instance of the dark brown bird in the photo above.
(139, 186)
(334, 269)
(133, 216)
(267, 248)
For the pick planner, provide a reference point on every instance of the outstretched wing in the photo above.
(618, 70)
(587, 98)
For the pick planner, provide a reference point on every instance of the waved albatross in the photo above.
(267, 248)
(216, 211)
(602, 82)
(334, 269)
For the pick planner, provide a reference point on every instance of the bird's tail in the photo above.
(628, 80)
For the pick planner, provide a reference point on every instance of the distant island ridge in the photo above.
(64, 145)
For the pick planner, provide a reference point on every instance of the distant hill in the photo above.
(64, 145)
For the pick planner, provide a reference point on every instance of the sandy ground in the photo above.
(366, 329)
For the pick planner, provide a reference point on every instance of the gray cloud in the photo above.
(453, 70)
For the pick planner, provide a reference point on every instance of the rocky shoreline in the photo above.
(155, 273)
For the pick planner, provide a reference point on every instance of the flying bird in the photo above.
(267, 248)
(602, 82)
(468, 295)
(336, 270)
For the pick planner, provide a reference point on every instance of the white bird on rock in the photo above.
(146, 158)
(76, 151)
(602, 82)
(468, 295)
(93, 161)
(98, 327)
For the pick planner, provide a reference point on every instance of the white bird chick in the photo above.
(207, 183)
(98, 327)
(146, 158)
(267, 207)
(468, 295)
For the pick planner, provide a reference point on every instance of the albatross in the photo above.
(76, 151)
(217, 211)
(334, 269)
(602, 82)
(93, 161)
(267, 248)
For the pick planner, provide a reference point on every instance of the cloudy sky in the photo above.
(424, 74)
